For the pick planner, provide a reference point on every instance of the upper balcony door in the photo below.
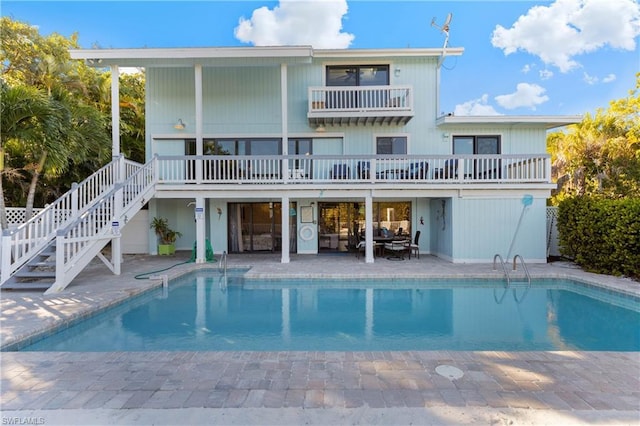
(356, 75)
(479, 145)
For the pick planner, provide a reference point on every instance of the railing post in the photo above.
(5, 256)
(547, 169)
(74, 200)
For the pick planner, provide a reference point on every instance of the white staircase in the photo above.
(53, 247)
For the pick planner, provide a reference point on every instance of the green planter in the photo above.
(166, 249)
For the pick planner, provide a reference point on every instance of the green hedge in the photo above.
(601, 235)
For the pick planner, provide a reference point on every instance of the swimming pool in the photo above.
(203, 312)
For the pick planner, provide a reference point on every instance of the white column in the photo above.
(115, 111)
(284, 111)
(285, 229)
(368, 226)
(199, 118)
(201, 248)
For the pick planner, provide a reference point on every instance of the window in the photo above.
(480, 168)
(358, 75)
(235, 147)
(391, 145)
(476, 145)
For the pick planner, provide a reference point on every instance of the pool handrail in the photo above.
(504, 268)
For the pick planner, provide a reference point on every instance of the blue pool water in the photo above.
(202, 312)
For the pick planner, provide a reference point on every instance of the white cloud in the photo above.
(589, 79)
(567, 28)
(546, 74)
(609, 79)
(526, 96)
(297, 22)
(527, 68)
(475, 107)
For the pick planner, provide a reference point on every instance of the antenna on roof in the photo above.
(445, 29)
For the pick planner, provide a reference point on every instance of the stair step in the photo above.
(35, 285)
(35, 274)
(42, 264)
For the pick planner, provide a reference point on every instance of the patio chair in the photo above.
(413, 247)
(364, 169)
(449, 171)
(395, 249)
(340, 172)
(417, 170)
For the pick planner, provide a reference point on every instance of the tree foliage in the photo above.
(56, 126)
(601, 154)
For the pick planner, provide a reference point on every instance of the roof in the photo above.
(230, 56)
(548, 121)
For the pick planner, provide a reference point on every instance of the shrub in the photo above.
(601, 235)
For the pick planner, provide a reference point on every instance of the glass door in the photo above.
(340, 226)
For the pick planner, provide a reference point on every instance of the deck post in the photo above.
(115, 111)
(368, 228)
(285, 229)
(5, 256)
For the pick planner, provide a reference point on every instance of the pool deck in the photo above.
(292, 388)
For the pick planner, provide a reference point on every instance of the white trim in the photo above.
(194, 53)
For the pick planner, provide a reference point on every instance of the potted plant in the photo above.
(166, 236)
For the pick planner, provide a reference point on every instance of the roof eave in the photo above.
(548, 121)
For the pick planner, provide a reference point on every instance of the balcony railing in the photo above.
(360, 104)
(378, 169)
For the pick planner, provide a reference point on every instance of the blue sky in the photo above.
(521, 58)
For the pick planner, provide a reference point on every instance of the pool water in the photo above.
(204, 312)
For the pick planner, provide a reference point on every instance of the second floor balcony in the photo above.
(373, 170)
(360, 105)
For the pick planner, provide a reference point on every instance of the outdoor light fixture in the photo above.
(180, 125)
(396, 72)
(320, 128)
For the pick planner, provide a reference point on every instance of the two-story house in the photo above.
(300, 150)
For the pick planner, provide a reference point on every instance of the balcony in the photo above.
(360, 105)
(391, 170)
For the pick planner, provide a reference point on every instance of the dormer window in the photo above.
(358, 75)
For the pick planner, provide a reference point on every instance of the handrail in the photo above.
(387, 169)
(93, 225)
(524, 267)
(222, 264)
(22, 243)
(504, 268)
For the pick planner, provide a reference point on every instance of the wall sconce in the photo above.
(445, 137)
(320, 128)
(180, 125)
(396, 72)
(219, 212)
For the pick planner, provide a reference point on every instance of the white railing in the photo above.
(310, 169)
(360, 98)
(81, 240)
(20, 244)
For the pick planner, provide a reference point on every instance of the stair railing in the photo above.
(19, 245)
(83, 239)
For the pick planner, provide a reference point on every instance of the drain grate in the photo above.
(449, 371)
